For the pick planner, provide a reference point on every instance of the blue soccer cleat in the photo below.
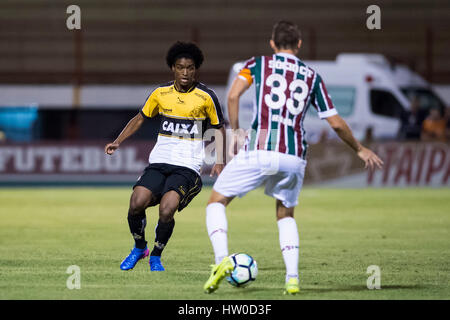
(136, 254)
(155, 263)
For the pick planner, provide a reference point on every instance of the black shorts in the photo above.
(160, 178)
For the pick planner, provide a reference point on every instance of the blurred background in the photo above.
(65, 93)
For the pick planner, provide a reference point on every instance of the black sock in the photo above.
(137, 223)
(163, 232)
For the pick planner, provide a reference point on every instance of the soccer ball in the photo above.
(245, 270)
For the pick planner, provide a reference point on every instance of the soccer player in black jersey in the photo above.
(187, 108)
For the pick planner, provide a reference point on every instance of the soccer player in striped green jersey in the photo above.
(274, 152)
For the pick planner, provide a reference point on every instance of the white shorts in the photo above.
(282, 174)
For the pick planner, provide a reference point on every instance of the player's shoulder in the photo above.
(255, 59)
(315, 75)
(160, 90)
(307, 66)
(311, 72)
(203, 87)
(207, 91)
(164, 86)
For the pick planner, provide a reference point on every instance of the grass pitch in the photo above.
(406, 232)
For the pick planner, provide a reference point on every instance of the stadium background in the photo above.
(65, 93)
(79, 87)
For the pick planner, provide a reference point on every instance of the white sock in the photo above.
(216, 223)
(289, 243)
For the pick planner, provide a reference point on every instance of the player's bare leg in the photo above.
(168, 205)
(140, 199)
(166, 223)
(216, 223)
(218, 197)
(289, 244)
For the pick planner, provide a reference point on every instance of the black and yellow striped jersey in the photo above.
(185, 116)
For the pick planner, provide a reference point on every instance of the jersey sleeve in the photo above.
(321, 101)
(247, 72)
(214, 110)
(151, 106)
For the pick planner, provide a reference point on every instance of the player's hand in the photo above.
(237, 141)
(216, 169)
(370, 158)
(111, 147)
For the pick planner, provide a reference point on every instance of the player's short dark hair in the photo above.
(286, 35)
(184, 50)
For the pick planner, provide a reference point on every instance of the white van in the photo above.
(368, 92)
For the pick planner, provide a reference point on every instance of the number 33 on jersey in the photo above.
(285, 87)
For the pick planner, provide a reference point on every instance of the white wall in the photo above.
(110, 96)
(48, 95)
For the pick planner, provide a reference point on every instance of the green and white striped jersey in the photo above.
(285, 88)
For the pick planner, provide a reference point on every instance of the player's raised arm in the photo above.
(344, 132)
(237, 89)
(132, 126)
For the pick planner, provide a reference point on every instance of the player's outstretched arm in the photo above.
(344, 132)
(132, 126)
